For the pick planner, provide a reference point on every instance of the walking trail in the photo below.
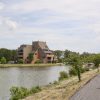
(90, 91)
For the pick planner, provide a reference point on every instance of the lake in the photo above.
(27, 77)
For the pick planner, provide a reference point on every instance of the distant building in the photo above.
(39, 50)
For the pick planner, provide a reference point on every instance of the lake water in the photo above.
(27, 77)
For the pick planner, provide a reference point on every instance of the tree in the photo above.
(59, 55)
(75, 62)
(10, 55)
(97, 61)
(3, 60)
(30, 57)
(13, 55)
(67, 53)
(87, 57)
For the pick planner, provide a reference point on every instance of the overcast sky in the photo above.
(63, 24)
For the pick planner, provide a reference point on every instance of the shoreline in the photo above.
(29, 65)
(64, 89)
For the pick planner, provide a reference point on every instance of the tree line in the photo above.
(77, 60)
(7, 55)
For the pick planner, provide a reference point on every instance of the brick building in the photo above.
(39, 50)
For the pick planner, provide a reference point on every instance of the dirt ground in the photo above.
(64, 89)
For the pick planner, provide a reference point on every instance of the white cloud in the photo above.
(65, 10)
(7, 26)
(1, 6)
(12, 25)
(72, 7)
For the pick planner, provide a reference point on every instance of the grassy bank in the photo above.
(28, 65)
(63, 90)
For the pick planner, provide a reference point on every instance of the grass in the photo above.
(18, 93)
(28, 65)
(64, 90)
(63, 75)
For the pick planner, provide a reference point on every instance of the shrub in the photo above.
(72, 72)
(20, 61)
(3, 60)
(35, 89)
(38, 61)
(82, 70)
(31, 56)
(21, 92)
(63, 75)
(55, 82)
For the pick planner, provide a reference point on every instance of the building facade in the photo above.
(40, 51)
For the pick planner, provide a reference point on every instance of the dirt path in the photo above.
(90, 91)
(64, 89)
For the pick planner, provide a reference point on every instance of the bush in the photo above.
(3, 60)
(72, 72)
(63, 75)
(35, 89)
(21, 92)
(55, 82)
(84, 69)
(20, 61)
(38, 61)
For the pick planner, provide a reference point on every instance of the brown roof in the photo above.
(43, 45)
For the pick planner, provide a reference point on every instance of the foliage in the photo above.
(22, 92)
(84, 69)
(38, 61)
(3, 60)
(20, 61)
(35, 89)
(19, 93)
(87, 57)
(63, 75)
(75, 62)
(31, 56)
(55, 82)
(10, 55)
(72, 72)
(97, 61)
(59, 55)
(67, 53)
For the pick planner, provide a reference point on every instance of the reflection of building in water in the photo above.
(38, 50)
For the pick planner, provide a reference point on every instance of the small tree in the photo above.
(3, 60)
(75, 62)
(20, 61)
(30, 57)
(97, 61)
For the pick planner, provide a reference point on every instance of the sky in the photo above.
(63, 24)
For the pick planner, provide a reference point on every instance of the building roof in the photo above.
(43, 45)
(23, 46)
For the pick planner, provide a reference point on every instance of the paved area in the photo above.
(90, 91)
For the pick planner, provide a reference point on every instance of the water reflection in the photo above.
(27, 77)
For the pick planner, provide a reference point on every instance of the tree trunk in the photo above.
(78, 73)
